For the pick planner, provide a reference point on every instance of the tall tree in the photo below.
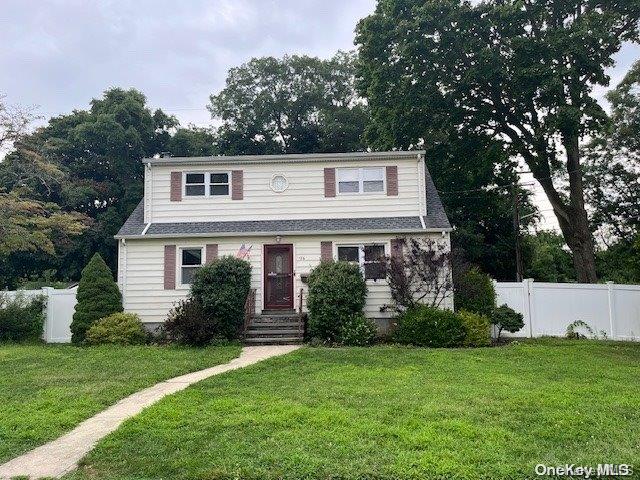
(98, 153)
(613, 165)
(296, 104)
(520, 71)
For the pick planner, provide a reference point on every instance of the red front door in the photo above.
(278, 277)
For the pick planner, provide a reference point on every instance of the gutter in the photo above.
(291, 158)
(281, 233)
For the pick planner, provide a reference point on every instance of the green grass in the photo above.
(46, 390)
(390, 412)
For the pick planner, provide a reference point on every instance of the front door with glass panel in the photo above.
(278, 277)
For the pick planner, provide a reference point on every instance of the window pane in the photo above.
(192, 256)
(194, 190)
(348, 187)
(373, 253)
(219, 178)
(219, 189)
(187, 275)
(373, 186)
(348, 175)
(372, 174)
(348, 254)
(374, 271)
(195, 177)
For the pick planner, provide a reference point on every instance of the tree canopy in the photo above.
(296, 104)
(522, 72)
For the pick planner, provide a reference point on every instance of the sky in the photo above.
(56, 55)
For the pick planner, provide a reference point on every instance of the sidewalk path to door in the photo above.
(60, 456)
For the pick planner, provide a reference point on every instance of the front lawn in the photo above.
(46, 390)
(390, 412)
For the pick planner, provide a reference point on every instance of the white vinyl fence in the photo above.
(548, 308)
(59, 308)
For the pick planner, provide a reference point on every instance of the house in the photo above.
(283, 213)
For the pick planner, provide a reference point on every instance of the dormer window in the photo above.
(360, 180)
(206, 184)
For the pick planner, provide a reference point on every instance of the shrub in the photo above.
(357, 331)
(428, 326)
(188, 323)
(477, 329)
(221, 288)
(21, 318)
(337, 292)
(117, 328)
(98, 297)
(506, 318)
(475, 292)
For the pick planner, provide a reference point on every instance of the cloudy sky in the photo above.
(58, 54)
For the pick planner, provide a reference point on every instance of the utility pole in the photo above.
(516, 231)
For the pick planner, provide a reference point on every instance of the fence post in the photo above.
(610, 287)
(527, 284)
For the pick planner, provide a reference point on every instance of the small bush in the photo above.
(221, 289)
(427, 326)
(477, 329)
(475, 292)
(117, 328)
(506, 318)
(98, 297)
(189, 324)
(357, 331)
(337, 292)
(21, 318)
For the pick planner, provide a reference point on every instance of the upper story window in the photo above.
(206, 184)
(369, 257)
(190, 262)
(360, 180)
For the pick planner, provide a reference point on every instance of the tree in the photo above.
(546, 258)
(89, 161)
(613, 165)
(193, 142)
(297, 104)
(520, 71)
(98, 297)
(14, 121)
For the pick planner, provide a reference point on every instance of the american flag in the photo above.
(244, 252)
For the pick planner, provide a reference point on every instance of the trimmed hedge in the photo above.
(118, 328)
(426, 326)
(98, 297)
(477, 329)
(21, 318)
(475, 292)
(189, 324)
(337, 292)
(221, 288)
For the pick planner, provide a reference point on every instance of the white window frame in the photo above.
(207, 183)
(361, 181)
(180, 266)
(361, 262)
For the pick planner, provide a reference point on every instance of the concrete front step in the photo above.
(273, 340)
(277, 325)
(273, 332)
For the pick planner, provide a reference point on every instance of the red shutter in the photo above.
(212, 252)
(326, 251)
(329, 182)
(392, 180)
(169, 267)
(396, 247)
(236, 185)
(175, 194)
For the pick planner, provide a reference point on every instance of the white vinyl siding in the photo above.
(144, 292)
(303, 197)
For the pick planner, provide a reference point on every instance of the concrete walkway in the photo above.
(62, 455)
